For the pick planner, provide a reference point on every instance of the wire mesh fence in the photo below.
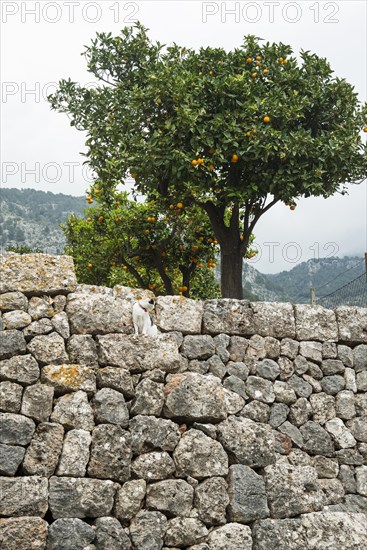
(353, 293)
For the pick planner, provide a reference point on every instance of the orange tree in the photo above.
(133, 243)
(233, 132)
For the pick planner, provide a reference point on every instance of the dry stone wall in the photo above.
(243, 426)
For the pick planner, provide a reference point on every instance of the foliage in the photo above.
(134, 244)
(231, 132)
(23, 249)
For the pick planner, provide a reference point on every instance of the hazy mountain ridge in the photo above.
(33, 218)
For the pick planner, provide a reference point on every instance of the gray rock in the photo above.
(350, 380)
(292, 432)
(345, 354)
(73, 411)
(234, 402)
(344, 405)
(153, 466)
(256, 348)
(317, 441)
(284, 534)
(301, 365)
(69, 534)
(15, 533)
(179, 313)
(147, 530)
(326, 467)
(349, 456)
(361, 404)
(208, 429)
(268, 369)
(82, 349)
(149, 433)
(274, 319)
(341, 435)
(216, 366)
(361, 380)
(300, 412)
(22, 369)
(283, 443)
(286, 367)
(360, 358)
(109, 407)
(272, 347)
(43, 453)
(352, 323)
(140, 354)
(16, 319)
(59, 303)
(311, 350)
(234, 317)
(10, 459)
(110, 454)
(232, 536)
(329, 350)
(13, 300)
(235, 384)
(221, 344)
(315, 384)
(323, 407)
(237, 348)
(292, 490)
(12, 342)
(211, 500)
(80, 497)
(358, 428)
(347, 478)
(278, 414)
(315, 323)
(332, 366)
(200, 367)
(300, 386)
(75, 454)
(199, 456)
(117, 379)
(48, 349)
(297, 457)
(67, 378)
(173, 496)
(250, 443)
(284, 393)
(260, 389)
(289, 348)
(361, 478)
(110, 535)
(333, 491)
(129, 499)
(60, 323)
(247, 495)
(16, 429)
(352, 503)
(314, 371)
(256, 411)
(149, 398)
(23, 496)
(37, 328)
(333, 530)
(238, 369)
(41, 307)
(193, 397)
(10, 397)
(37, 402)
(185, 531)
(198, 347)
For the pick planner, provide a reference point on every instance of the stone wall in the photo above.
(243, 426)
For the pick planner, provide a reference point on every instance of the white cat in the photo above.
(142, 321)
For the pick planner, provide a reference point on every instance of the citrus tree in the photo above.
(231, 132)
(133, 243)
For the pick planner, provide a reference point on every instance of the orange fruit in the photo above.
(234, 158)
(200, 264)
(89, 219)
(201, 239)
(365, 129)
(210, 72)
(200, 74)
(118, 203)
(200, 161)
(248, 134)
(254, 75)
(266, 71)
(249, 60)
(258, 58)
(90, 266)
(124, 267)
(100, 219)
(179, 205)
(293, 207)
(194, 162)
(280, 60)
(171, 206)
(194, 248)
(211, 167)
(266, 119)
(147, 231)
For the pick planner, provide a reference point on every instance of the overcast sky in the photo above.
(41, 43)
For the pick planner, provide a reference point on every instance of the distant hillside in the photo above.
(32, 218)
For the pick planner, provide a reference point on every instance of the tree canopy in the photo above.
(232, 132)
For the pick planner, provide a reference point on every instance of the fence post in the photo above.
(312, 296)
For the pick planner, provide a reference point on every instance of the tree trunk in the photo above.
(231, 273)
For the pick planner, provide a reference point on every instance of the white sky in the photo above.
(41, 43)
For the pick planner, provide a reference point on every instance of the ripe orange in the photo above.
(171, 206)
(147, 231)
(200, 264)
(124, 267)
(258, 58)
(210, 72)
(89, 219)
(234, 158)
(293, 207)
(179, 205)
(200, 161)
(201, 239)
(266, 71)
(194, 162)
(90, 266)
(100, 219)
(365, 129)
(211, 167)
(249, 60)
(248, 134)
(266, 119)
(194, 248)
(280, 60)
(254, 75)
(118, 203)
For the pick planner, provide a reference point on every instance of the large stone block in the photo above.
(12, 342)
(10, 396)
(109, 407)
(13, 300)
(110, 535)
(43, 453)
(247, 495)
(173, 496)
(37, 402)
(211, 500)
(36, 273)
(82, 349)
(67, 378)
(315, 323)
(250, 443)
(153, 466)
(23, 369)
(185, 531)
(110, 455)
(139, 354)
(16, 429)
(232, 536)
(228, 316)
(129, 499)
(179, 313)
(17, 319)
(274, 319)
(352, 323)
(75, 454)
(200, 456)
(23, 496)
(73, 411)
(69, 534)
(147, 530)
(292, 490)
(48, 349)
(194, 397)
(11, 457)
(81, 497)
(150, 433)
(26, 533)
